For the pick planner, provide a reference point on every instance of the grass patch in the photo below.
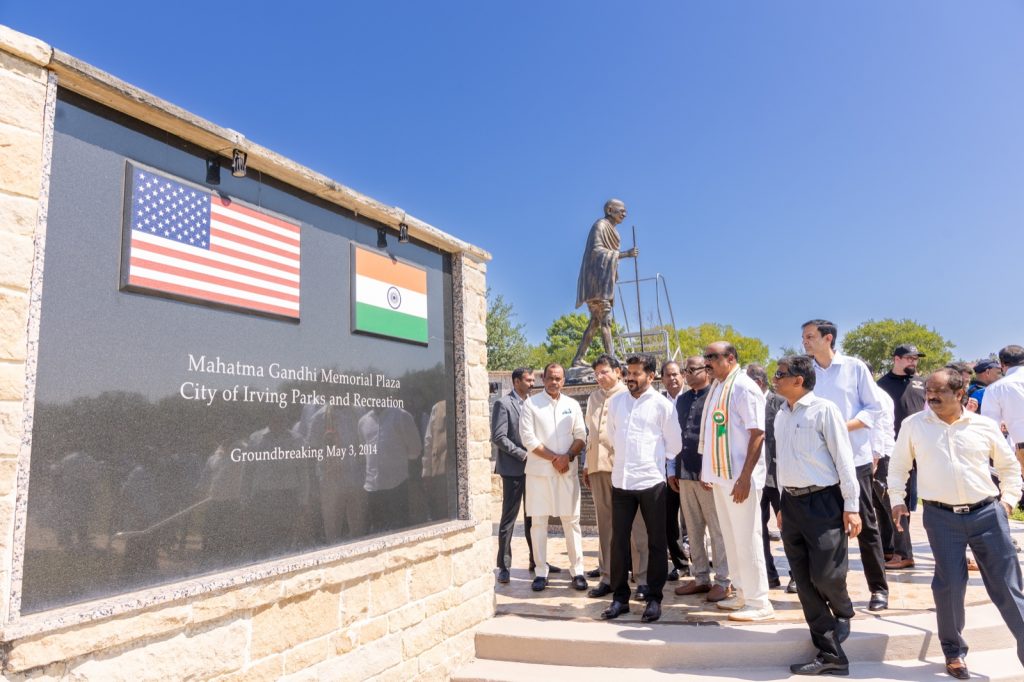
(1017, 514)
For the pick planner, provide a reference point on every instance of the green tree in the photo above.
(693, 341)
(506, 342)
(874, 341)
(564, 336)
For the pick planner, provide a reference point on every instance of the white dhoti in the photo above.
(559, 496)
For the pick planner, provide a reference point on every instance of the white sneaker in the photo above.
(753, 614)
(733, 603)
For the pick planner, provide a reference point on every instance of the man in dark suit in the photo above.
(511, 466)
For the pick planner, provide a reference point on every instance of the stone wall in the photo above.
(401, 607)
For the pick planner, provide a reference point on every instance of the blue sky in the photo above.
(780, 161)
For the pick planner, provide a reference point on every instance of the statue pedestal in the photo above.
(579, 375)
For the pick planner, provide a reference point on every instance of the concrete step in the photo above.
(628, 643)
(997, 665)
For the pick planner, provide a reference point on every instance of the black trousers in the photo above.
(869, 539)
(673, 536)
(769, 499)
(513, 496)
(893, 542)
(651, 503)
(816, 545)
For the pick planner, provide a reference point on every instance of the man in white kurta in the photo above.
(554, 435)
(732, 432)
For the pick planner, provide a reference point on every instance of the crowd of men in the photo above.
(834, 454)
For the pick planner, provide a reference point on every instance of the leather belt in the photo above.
(961, 508)
(800, 492)
(1020, 446)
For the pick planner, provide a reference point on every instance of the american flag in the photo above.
(191, 243)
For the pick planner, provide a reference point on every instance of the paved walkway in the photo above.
(909, 591)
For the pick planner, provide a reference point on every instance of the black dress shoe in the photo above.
(539, 584)
(791, 587)
(602, 589)
(503, 576)
(879, 601)
(615, 610)
(819, 666)
(774, 583)
(673, 575)
(641, 593)
(596, 573)
(652, 612)
(842, 629)
(579, 583)
(957, 668)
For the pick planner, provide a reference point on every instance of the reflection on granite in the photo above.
(171, 439)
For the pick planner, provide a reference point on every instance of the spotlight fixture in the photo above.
(382, 238)
(238, 159)
(213, 170)
(403, 233)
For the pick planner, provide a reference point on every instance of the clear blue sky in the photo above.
(780, 161)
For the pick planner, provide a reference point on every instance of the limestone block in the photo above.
(474, 281)
(468, 614)
(306, 655)
(21, 162)
(269, 669)
(348, 570)
(363, 663)
(459, 541)
(372, 630)
(13, 324)
(439, 673)
(8, 476)
(301, 676)
(400, 673)
(303, 583)
(18, 214)
(421, 551)
(96, 636)
(245, 598)
(16, 265)
(355, 602)
(482, 584)
(288, 623)
(21, 68)
(431, 576)
(423, 636)
(471, 564)
(24, 46)
(210, 652)
(12, 381)
(24, 100)
(407, 616)
(344, 641)
(389, 591)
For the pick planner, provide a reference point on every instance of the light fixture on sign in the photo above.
(238, 159)
(403, 233)
(213, 170)
(382, 238)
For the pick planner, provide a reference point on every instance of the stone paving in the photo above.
(909, 590)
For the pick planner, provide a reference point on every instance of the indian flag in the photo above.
(390, 297)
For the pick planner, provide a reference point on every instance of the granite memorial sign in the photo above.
(227, 374)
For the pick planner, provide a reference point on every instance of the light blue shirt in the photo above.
(848, 383)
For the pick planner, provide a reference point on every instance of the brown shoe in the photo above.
(718, 593)
(897, 563)
(692, 588)
(972, 565)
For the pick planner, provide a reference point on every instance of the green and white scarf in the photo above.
(721, 455)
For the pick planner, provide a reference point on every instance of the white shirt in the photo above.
(1004, 402)
(952, 460)
(812, 447)
(848, 383)
(555, 424)
(746, 411)
(644, 433)
(883, 433)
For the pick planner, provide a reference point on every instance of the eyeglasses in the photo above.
(782, 375)
(708, 357)
(694, 370)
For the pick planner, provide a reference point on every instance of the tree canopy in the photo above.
(874, 342)
(506, 343)
(693, 340)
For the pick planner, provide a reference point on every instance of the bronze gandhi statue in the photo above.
(598, 274)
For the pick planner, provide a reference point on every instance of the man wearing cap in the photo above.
(907, 392)
(954, 448)
(1004, 400)
(986, 372)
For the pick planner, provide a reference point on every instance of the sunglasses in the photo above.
(694, 370)
(708, 357)
(782, 375)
